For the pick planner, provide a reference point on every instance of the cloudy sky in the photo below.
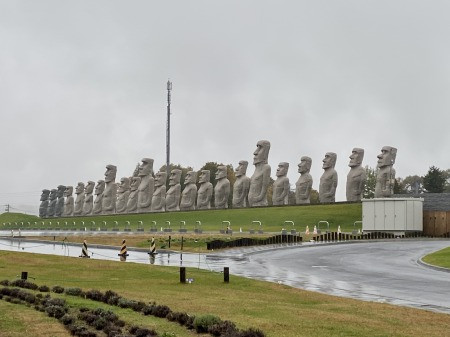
(83, 85)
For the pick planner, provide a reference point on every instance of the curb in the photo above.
(430, 266)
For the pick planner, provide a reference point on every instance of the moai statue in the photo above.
(205, 191)
(159, 196)
(59, 209)
(44, 203)
(123, 193)
(88, 205)
(52, 203)
(147, 186)
(69, 202)
(222, 188)
(304, 183)
(99, 189)
(110, 193)
(241, 186)
(356, 178)
(132, 205)
(79, 200)
(329, 179)
(386, 173)
(174, 192)
(189, 194)
(257, 195)
(281, 187)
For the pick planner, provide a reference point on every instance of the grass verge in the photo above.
(440, 258)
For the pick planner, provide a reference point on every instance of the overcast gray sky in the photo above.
(83, 85)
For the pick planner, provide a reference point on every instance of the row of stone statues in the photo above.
(146, 192)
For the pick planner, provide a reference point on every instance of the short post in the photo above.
(182, 274)
(226, 274)
(24, 275)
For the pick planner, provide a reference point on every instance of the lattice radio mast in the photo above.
(169, 89)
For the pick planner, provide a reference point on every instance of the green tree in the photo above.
(413, 184)
(434, 181)
(369, 189)
(399, 187)
(314, 197)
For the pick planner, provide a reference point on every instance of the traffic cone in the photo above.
(152, 247)
(307, 230)
(84, 251)
(339, 229)
(315, 230)
(123, 249)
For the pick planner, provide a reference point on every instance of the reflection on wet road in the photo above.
(373, 271)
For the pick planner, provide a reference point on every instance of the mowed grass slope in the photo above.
(440, 258)
(272, 218)
(279, 310)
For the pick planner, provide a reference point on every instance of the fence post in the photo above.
(182, 274)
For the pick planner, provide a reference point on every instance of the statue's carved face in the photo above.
(204, 177)
(160, 178)
(175, 176)
(53, 194)
(356, 157)
(221, 172)
(110, 174)
(89, 187)
(68, 192)
(261, 153)
(387, 156)
(282, 169)
(329, 161)
(45, 194)
(60, 192)
(100, 187)
(146, 168)
(135, 182)
(79, 189)
(305, 165)
(191, 178)
(241, 170)
(124, 184)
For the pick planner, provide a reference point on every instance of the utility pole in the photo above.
(169, 89)
(7, 208)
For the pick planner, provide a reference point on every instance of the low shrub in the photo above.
(160, 311)
(55, 311)
(4, 283)
(44, 289)
(202, 323)
(74, 291)
(95, 295)
(100, 323)
(223, 328)
(252, 333)
(58, 289)
(24, 284)
(67, 319)
(180, 317)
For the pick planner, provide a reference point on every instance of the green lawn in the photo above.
(440, 258)
(279, 310)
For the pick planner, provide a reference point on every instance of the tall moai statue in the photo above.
(189, 194)
(303, 186)
(44, 203)
(99, 189)
(329, 179)
(123, 193)
(88, 205)
(222, 188)
(110, 192)
(174, 192)
(386, 173)
(205, 191)
(52, 203)
(59, 209)
(147, 186)
(132, 205)
(159, 196)
(69, 202)
(241, 186)
(281, 187)
(259, 182)
(356, 178)
(79, 200)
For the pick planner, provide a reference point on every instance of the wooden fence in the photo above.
(436, 223)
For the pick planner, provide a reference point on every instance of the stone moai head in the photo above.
(100, 187)
(282, 169)
(175, 177)
(89, 187)
(261, 154)
(330, 160)
(80, 188)
(205, 176)
(221, 172)
(53, 194)
(60, 192)
(45, 194)
(160, 178)
(241, 170)
(68, 191)
(356, 157)
(146, 168)
(124, 184)
(387, 156)
(191, 178)
(110, 174)
(135, 182)
(305, 165)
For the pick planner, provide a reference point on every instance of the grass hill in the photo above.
(17, 217)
